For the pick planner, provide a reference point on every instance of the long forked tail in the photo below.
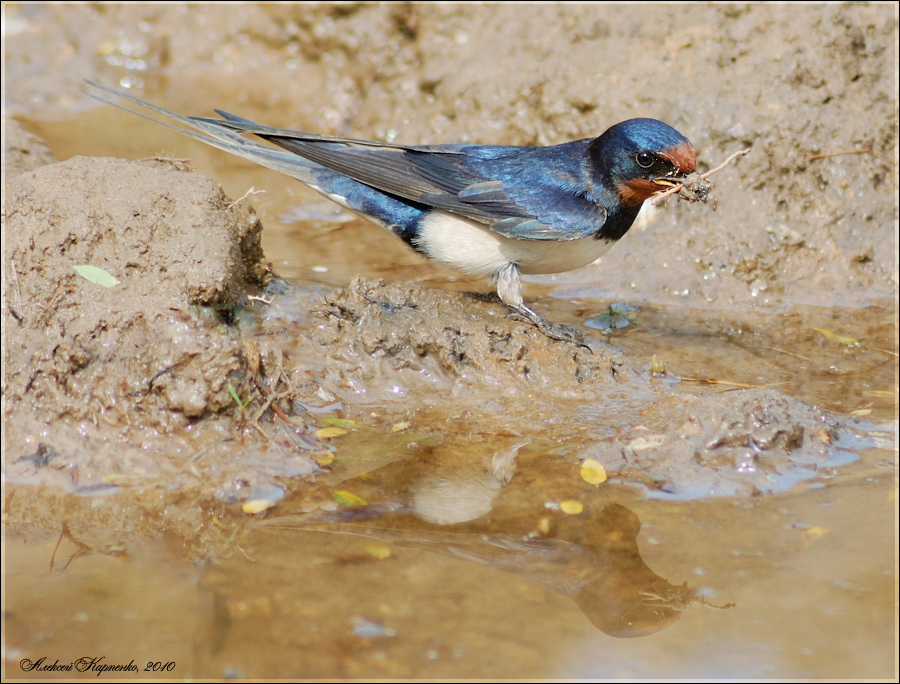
(223, 134)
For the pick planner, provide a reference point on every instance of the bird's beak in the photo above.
(684, 161)
(675, 178)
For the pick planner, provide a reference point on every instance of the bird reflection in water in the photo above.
(593, 557)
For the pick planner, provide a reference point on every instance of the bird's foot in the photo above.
(561, 333)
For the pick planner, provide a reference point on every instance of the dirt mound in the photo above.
(140, 346)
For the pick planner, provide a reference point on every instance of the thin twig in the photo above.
(64, 533)
(250, 193)
(787, 352)
(731, 158)
(725, 382)
(15, 275)
(703, 602)
(884, 351)
(53, 302)
(271, 397)
(861, 150)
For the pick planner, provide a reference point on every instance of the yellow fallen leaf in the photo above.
(401, 426)
(543, 525)
(816, 532)
(837, 339)
(348, 499)
(322, 457)
(329, 432)
(571, 507)
(379, 551)
(861, 412)
(593, 472)
(254, 506)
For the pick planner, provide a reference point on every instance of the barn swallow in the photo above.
(487, 210)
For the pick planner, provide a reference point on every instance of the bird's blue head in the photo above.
(641, 157)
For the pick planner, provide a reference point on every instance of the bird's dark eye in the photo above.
(644, 159)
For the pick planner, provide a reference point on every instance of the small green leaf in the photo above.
(342, 423)
(96, 275)
(237, 400)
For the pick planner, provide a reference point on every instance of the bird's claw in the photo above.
(560, 333)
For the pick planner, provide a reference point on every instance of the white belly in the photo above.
(473, 248)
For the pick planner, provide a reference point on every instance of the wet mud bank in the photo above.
(179, 365)
(246, 433)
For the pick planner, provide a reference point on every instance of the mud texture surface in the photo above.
(22, 151)
(795, 223)
(428, 340)
(233, 353)
(109, 366)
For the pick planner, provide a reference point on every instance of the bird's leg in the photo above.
(509, 289)
(562, 332)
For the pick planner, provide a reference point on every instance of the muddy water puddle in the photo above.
(797, 585)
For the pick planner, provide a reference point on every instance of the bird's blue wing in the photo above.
(527, 193)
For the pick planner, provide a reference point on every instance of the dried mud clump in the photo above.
(147, 354)
(421, 338)
(695, 189)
